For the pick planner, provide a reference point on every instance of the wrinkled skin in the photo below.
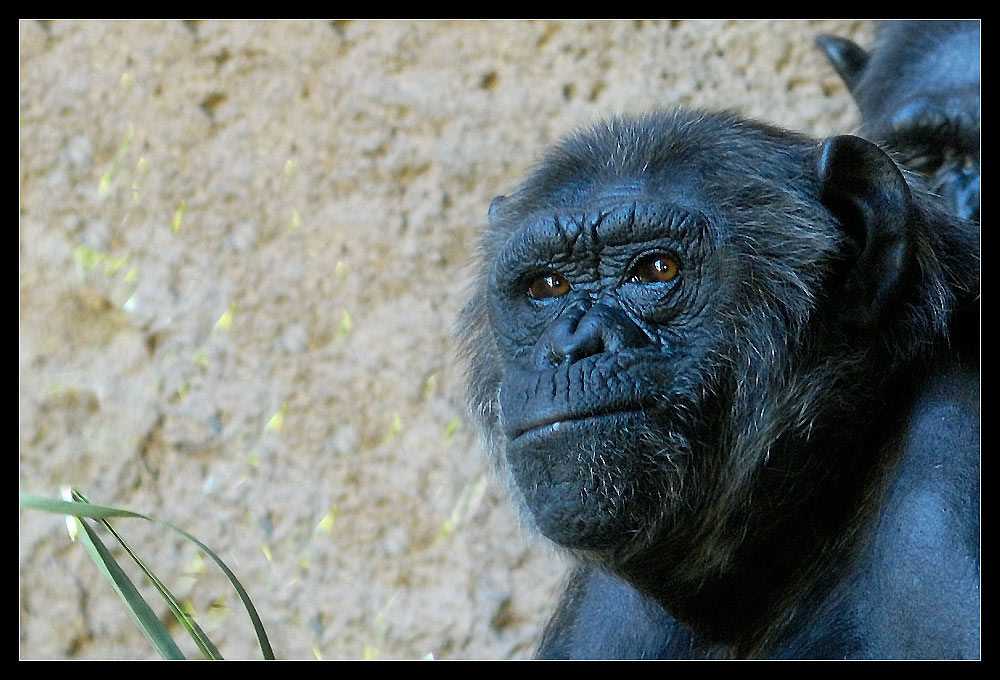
(734, 372)
(918, 92)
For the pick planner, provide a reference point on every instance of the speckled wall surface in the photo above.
(225, 222)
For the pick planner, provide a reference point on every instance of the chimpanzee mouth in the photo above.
(560, 423)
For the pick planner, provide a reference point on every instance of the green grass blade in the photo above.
(134, 602)
(84, 508)
(205, 644)
(258, 625)
(32, 502)
(207, 647)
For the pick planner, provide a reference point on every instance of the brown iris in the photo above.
(654, 268)
(547, 286)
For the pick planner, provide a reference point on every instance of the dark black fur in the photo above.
(919, 93)
(773, 454)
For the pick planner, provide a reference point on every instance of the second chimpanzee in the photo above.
(919, 93)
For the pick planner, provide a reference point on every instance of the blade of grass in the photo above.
(58, 507)
(86, 509)
(207, 647)
(258, 625)
(134, 602)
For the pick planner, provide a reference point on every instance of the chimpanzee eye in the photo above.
(654, 268)
(547, 286)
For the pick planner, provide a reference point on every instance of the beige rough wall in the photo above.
(224, 221)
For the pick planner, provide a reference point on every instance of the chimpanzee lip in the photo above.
(555, 422)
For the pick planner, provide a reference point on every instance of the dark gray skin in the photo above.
(918, 92)
(733, 371)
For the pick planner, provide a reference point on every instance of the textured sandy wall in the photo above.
(221, 222)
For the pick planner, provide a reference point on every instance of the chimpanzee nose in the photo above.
(580, 332)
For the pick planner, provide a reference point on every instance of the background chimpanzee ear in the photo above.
(495, 204)
(847, 57)
(867, 194)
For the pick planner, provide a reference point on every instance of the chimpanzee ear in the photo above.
(495, 204)
(867, 194)
(848, 59)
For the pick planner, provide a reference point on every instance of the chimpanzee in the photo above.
(919, 93)
(733, 371)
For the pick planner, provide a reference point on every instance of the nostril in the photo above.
(558, 345)
(587, 340)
